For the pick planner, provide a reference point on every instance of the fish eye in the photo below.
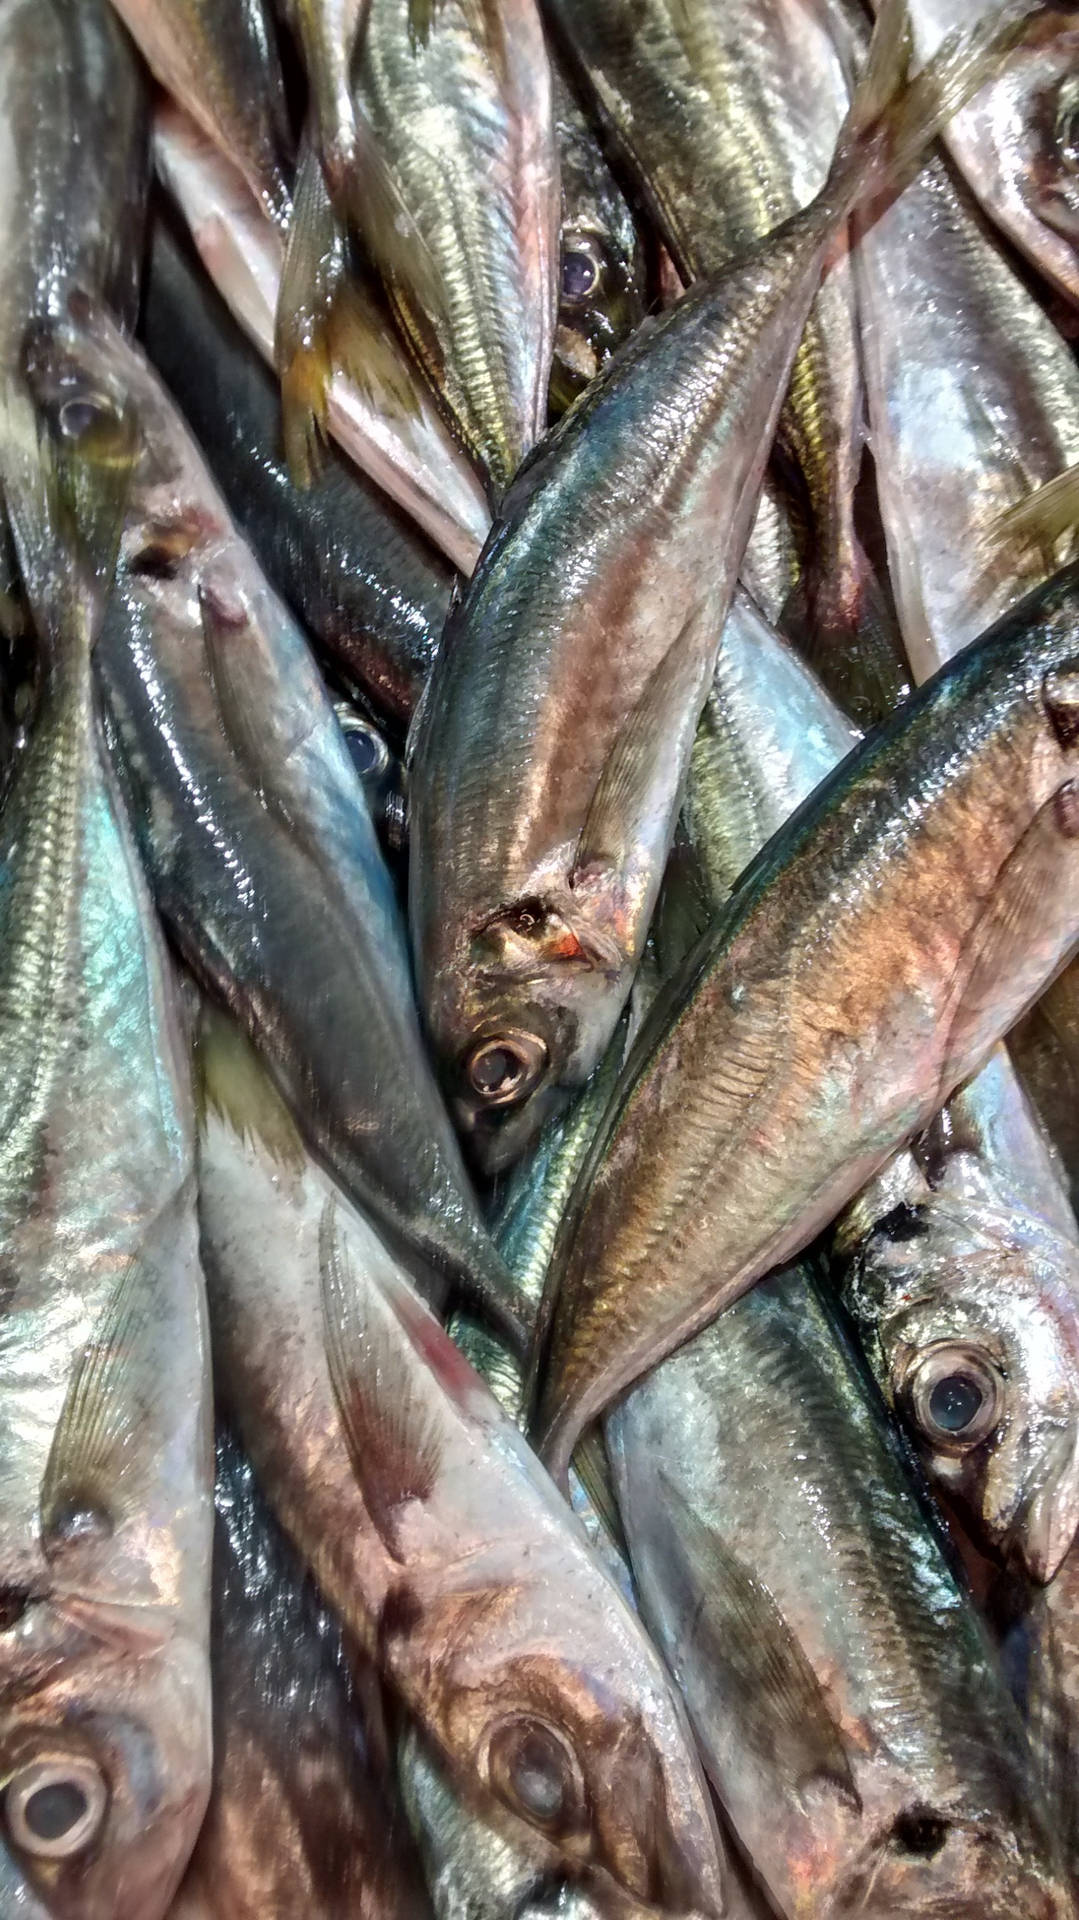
(955, 1398)
(904, 1222)
(1060, 694)
(55, 1806)
(367, 749)
(506, 1067)
(534, 1772)
(81, 416)
(1066, 126)
(582, 269)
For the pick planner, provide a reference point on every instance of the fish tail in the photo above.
(893, 118)
(67, 454)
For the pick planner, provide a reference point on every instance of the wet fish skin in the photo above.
(262, 855)
(973, 403)
(372, 592)
(105, 1456)
(300, 1821)
(73, 104)
(851, 1712)
(1042, 1647)
(1045, 1047)
(867, 965)
(432, 1529)
(1016, 141)
(603, 267)
(727, 117)
(462, 115)
(389, 425)
(219, 59)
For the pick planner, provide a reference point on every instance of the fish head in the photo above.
(1032, 128)
(583, 1753)
(523, 1022)
(934, 1862)
(601, 302)
(972, 1315)
(104, 1758)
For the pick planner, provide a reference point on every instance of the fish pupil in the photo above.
(496, 1070)
(13, 1604)
(364, 750)
(921, 1834)
(55, 1809)
(954, 1402)
(903, 1223)
(536, 1776)
(579, 275)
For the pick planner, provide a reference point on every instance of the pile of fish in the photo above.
(539, 878)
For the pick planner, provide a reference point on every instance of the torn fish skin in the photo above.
(263, 857)
(868, 963)
(105, 1441)
(430, 1526)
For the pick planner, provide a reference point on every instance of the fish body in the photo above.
(461, 111)
(431, 1528)
(1042, 1648)
(385, 421)
(728, 117)
(603, 266)
(301, 1824)
(219, 59)
(870, 960)
(1016, 141)
(358, 575)
(261, 850)
(551, 750)
(850, 1709)
(973, 402)
(105, 1456)
(74, 113)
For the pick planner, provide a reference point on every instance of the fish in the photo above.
(385, 422)
(603, 264)
(105, 1444)
(727, 117)
(75, 122)
(873, 955)
(849, 1706)
(1016, 141)
(1045, 1048)
(302, 1819)
(973, 403)
(458, 100)
(1042, 1646)
(548, 754)
(219, 60)
(365, 584)
(961, 1270)
(429, 1525)
(251, 822)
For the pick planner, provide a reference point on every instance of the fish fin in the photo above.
(1042, 518)
(232, 1082)
(593, 1470)
(484, 21)
(640, 767)
(95, 1447)
(892, 118)
(309, 278)
(1002, 946)
(392, 1441)
(844, 627)
(66, 466)
(766, 1682)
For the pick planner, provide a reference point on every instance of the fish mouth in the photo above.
(1040, 1537)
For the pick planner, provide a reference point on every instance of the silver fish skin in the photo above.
(219, 59)
(973, 402)
(302, 1823)
(543, 807)
(394, 433)
(930, 854)
(1016, 142)
(1042, 1650)
(252, 822)
(105, 1446)
(851, 1711)
(432, 1529)
(74, 140)
(460, 108)
(961, 1268)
